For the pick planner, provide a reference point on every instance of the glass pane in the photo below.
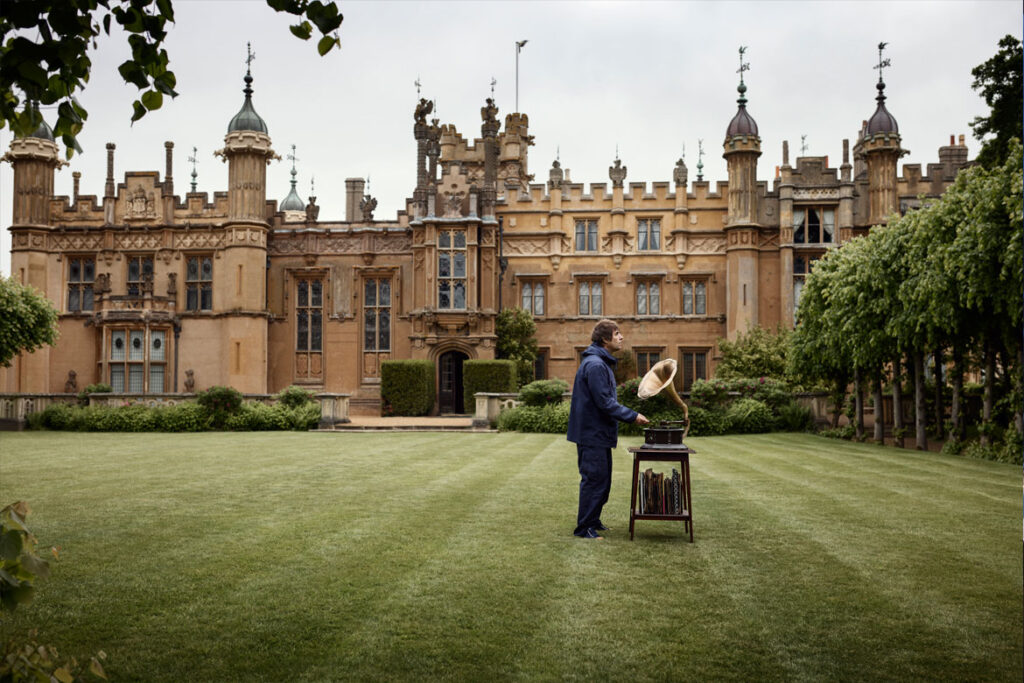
(829, 226)
(798, 288)
(191, 298)
(385, 293)
(459, 270)
(88, 271)
(655, 234)
(687, 371)
(584, 298)
(813, 226)
(303, 299)
(527, 297)
(581, 237)
(206, 299)
(157, 345)
(444, 265)
(315, 332)
(147, 266)
(460, 295)
(641, 237)
(687, 298)
(641, 299)
(370, 330)
(117, 378)
(370, 293)
(798, 218)
(133, 270)
(595, 299)
(135, 348)
(385, 331)
(444, 239)
(700, 298)
(75, 271)
(460, 240)
(87, 294)
(156, 379)
(73, 301)
(700, 365)
(592, 236)
(192, 272)
(117, 345)
(538, 300)
(317, 293)
(444, 299)
(302, 336)
(135, 378)
(207, 268)
(799, 264)
(653, 358)
(655, 299)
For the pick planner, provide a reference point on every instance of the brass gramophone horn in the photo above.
(659, 379)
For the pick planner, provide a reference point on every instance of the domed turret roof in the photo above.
(43, 130)
(742, 123)
(882, 121)
(247, 118)
(292, 202)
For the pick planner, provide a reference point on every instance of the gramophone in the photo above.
(668, 433)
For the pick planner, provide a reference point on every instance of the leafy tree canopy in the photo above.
(44, 54)
(28, 320)
(999, 81)
(517, 341)
(758, 353)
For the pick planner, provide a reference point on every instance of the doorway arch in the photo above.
(449, 382)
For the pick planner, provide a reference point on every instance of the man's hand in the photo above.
(641, 420)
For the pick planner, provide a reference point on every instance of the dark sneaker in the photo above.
(591, 533)
(601, 527)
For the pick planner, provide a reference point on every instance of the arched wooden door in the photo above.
(449, 394)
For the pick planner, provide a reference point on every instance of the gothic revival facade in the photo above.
(160, 293)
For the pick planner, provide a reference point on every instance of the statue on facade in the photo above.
(71, 385)
(489, 113)
(312, 210)
(172, 284)
(617, 173)
(367, 206)
(190, 381)
(423, 110)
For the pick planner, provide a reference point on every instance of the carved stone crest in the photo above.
(367, 206)
(312, 210)
(680, 174)
(140, 204)
(423, 110)
(617, 173)
(453, 204)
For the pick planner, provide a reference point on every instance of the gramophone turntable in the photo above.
(668, 433)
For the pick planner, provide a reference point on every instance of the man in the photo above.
(594, 417)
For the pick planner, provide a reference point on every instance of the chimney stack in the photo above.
(353, 196)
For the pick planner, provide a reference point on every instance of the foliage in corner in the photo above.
(999, 81)
(756, 353)
(28, 321)
(44, 54)
(517, 341)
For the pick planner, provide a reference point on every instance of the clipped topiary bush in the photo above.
(407, 387)
(219, 403)
(543, 391)
(749, 416)
(547, 419)
(491, 376)
(295, 397)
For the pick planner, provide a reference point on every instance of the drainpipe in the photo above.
(502, 261)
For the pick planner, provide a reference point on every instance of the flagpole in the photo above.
(519, 46)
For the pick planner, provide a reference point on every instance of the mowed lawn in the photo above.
(445, 556)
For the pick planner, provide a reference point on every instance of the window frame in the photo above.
(138, 285)
(645, 229)
(642, 357)
(309, 309)
(452, 250)
(377, 308)
(643, 290)
(589, 283)
(694, 283)
(586, 235)
(200, 286)
(528, 288)
(689, 373)
(81, 288)
(152, 355)
(803, 229)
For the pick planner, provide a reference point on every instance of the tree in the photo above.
(999, 82)
(757, 353)
(52, 67)
(28, 320)
(517, 341)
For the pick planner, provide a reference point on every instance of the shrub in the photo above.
(547, 419)
(497, 376)
(56, 416)
(846, 432)
(183, 417)
(543, 392)
(407, 387)
(98, 388)
(704, 422)
(219, 403)
(749, 416)
(709, 394)
(516, 332)
(294, 397)
(793, 417)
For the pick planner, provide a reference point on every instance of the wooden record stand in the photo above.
(680, 454)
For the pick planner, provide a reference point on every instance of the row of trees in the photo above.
(944, 281)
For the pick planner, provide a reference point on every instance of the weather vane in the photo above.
(250, 56)
(312, 185)
(683, 157)
(558, 153)
(292, 158)
(700, 160)
(194, 174)
(494, 82)
(744, 66)
(417, 84)
(882, 63)
(803, 145)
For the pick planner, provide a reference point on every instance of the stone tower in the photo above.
(34, 159)
(742, 147)
(880, 147)
(239, 279)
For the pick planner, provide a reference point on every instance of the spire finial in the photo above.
(558, 153)
(700, 160)
(882, 63)
(744, 66)
(616, 151)
(194, 174)
(250, 55)
(312, 185)
(291, 157)
(417, 84)
(803, 145)
(494, 82)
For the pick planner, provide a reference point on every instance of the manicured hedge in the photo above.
(490, 376)
(407, 387)
(189, 416)
(552, 418)
(543, 391)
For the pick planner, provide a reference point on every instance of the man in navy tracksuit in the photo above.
(594, 418)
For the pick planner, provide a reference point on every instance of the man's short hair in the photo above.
(603, 331)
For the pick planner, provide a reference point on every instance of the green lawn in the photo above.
(398, 556)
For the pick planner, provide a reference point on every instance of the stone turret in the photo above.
(880, 148)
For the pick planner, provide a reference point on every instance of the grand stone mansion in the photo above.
(160, 293)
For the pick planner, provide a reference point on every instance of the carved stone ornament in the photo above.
(312, 210)
(453, 204)
(680, 173)
(489, 112)
(423, 109)
(617, 173)
(71, 385)
(172, 284)
(816, 193)
(140, 204)
(190, 381)
(367, 206)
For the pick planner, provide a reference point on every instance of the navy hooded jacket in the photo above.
(595, 412)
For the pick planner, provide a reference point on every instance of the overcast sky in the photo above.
(645, 78)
